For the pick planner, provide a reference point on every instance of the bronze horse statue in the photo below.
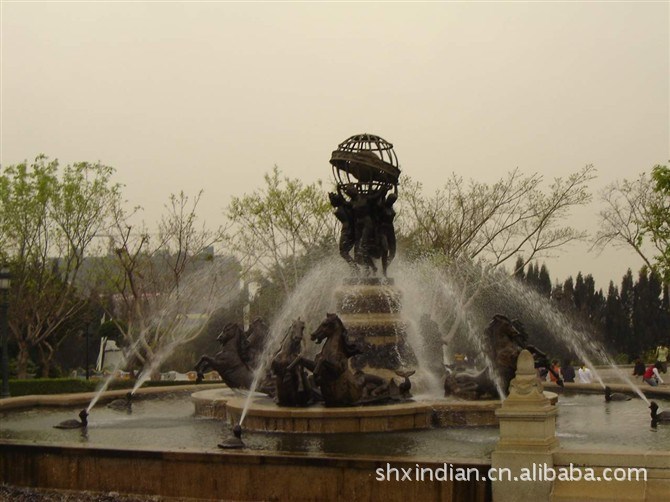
(507, 339)
(339, 385)
(292, 387)
(254, 342)
(230, 361)
(468, 385)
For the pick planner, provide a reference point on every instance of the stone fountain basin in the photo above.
(167, 421)
(265, 416)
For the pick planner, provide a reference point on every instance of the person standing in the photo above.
(662, 357)
(584, 374)
(568, 372)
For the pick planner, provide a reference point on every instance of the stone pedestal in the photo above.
(527, 439)
(370, 309)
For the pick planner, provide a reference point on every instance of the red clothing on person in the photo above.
(649, 372)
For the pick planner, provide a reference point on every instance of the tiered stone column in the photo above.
(527, 437)
(370, 310)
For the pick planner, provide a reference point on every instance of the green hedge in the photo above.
(37, 386)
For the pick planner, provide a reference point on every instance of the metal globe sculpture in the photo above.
(366, 171)
(366, 161)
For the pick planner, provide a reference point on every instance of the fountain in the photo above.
(362, 373)
(295, 444)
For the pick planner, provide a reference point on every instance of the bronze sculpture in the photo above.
(232, 362)
(507, 338)
(292, 387)
(338, 383)
(366, 169)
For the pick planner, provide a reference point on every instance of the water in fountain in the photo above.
(430, 290)
(105, 384)
(449, 295)
(199, 293)
(539, 308)
(451, 299)
(311, 299)
(185, 312)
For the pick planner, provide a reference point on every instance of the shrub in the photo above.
(621, 359)
(39, 386)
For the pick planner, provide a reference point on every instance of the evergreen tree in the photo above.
(518, 269)
(533, 276)
(579, 292)
(568, 298)
(642, 324)
(544, 282)
(626, 296)
(614, 321)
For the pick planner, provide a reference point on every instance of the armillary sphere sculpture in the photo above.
(365, 168)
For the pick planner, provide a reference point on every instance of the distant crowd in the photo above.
(650, 374)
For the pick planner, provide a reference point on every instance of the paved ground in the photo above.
(20, 494)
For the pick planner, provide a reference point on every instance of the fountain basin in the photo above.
(162, 449)
(264, 415)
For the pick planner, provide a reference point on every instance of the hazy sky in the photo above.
(190, 95)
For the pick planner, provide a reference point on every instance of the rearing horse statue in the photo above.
(292, 387)
(228, 362)
(339, 385)
(231, 361)
(253, 344)
(507, 339)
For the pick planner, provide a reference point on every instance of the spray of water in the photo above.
(559, 326)
(430, 290)
(178, 317)
(449, 296)
(105, 384)
(310, 301)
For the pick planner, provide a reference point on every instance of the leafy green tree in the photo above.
(636, 214)
(48, 220)
(656, 308)
(166, 284)
(657, 223)
(275, 226)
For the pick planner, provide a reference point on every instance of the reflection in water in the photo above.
(584, 421)
(587, 421)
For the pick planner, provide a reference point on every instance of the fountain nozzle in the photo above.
(234, 442)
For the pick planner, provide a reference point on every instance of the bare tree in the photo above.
(493, 223)
(470, 229)
(624, 219)
(167, 285)
(182, 240)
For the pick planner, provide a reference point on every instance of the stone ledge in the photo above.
(79, 398)
(264, 415)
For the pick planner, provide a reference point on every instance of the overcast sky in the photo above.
(188, 95)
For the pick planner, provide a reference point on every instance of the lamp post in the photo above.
(5, 283)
